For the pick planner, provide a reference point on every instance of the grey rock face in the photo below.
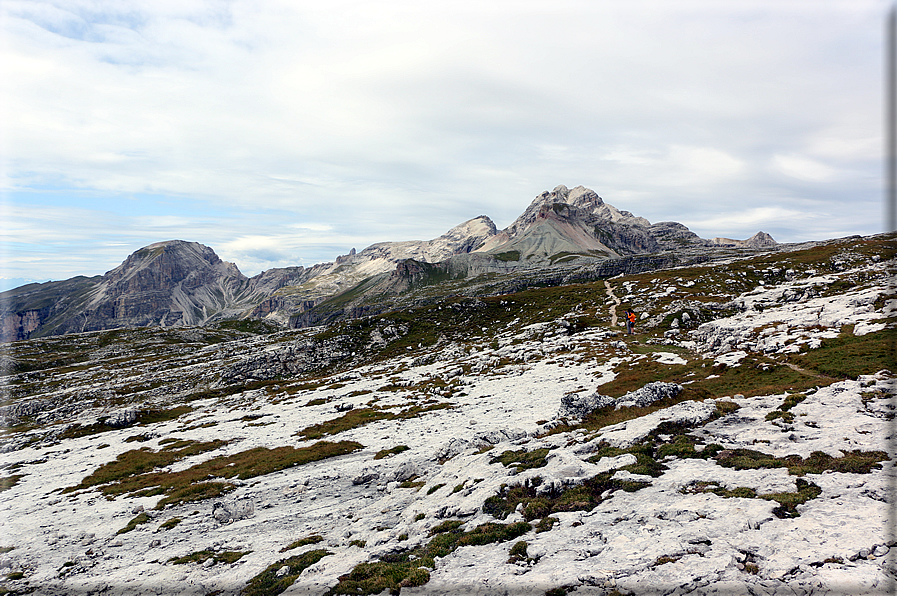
(578, 406)
(226, 512)
(649, 394)
(121, 419)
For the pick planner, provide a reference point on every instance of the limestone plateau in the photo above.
(741, 442)
(563, 235)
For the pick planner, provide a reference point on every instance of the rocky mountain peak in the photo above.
(758, 240)
(463, 238)
(164, 265)
(584, 199)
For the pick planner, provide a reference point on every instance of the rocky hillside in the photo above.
(740, 443)
(177, 283)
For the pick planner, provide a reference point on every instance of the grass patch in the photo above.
(783, 410)
(10, 481)
(313, 539)
(141, 518)
(848, 356)
(169, 524)
(511, 255)
(134, 472)
(358, 417)
(523, 459)
(412, 567)
(788, 502)
(267, 583)
(518, 553)
(227, 556)
(393, 451)
(434, 488)
(144, 417)
(854, 462)
(546, 524)
(582, 497)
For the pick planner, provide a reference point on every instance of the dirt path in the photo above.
(809, 373)
(613, 309)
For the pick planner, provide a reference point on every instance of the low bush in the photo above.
(267, 583)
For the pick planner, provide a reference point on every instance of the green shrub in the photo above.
(141, 518)
(518, 552)
(201, 556)
(387, 452)
(267, 583)
(313, 539)
(169, 524)
(523, 459)
(434, 488)
(545, 524)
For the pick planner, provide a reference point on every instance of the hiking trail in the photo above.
(613, 309)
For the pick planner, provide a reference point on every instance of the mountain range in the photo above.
(564, 234)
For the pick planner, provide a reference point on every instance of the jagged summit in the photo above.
(166, 264)
(581, 197)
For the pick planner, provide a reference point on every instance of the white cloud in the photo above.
(373, 121)
(804, 168)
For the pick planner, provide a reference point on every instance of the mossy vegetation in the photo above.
(788, 501)
(313, 539)
(141, 518)
(854, 462)
(227, 556)
(434, 488)
(360, 416)
(546, 524)
(8, 482)
(518, 553)
(135, 472)
(536, 505)
(523, 459)
(170, 523)
(144, 417)
(783, 411)
(383, 453)
(268, 583)
(412, 567)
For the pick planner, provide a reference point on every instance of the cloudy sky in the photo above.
(286, 133)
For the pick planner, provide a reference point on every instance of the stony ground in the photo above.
(740, 443)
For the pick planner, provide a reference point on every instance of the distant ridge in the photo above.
(179, 283)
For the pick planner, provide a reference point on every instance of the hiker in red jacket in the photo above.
(630, 321)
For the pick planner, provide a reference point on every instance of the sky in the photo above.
(287, 133)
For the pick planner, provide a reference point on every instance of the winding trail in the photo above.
(613, 309)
